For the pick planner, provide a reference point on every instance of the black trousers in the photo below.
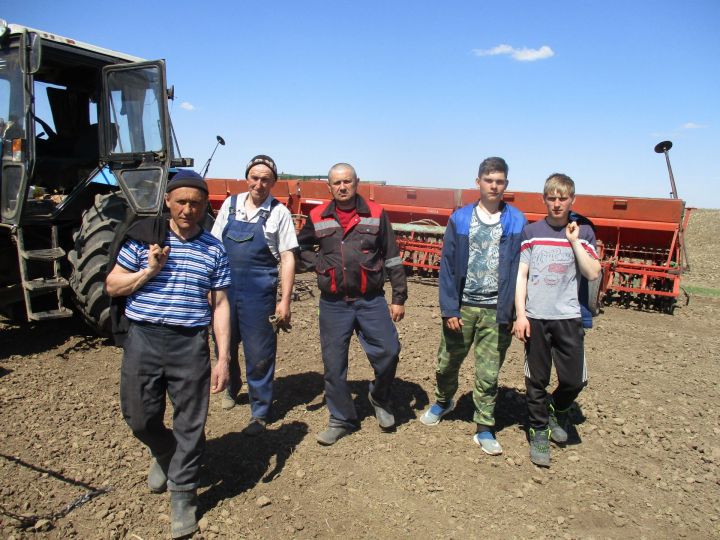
(156, 360)
(562, 342)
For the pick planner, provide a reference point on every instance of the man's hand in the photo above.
(282, 313)
(157, 257)
(521, 329)
(123, 282)
(572, 232)
(454, 323)
(397, 312)
(219, 376)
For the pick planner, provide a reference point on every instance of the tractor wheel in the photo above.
(89, 259)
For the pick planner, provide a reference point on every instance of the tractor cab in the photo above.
(82, 129)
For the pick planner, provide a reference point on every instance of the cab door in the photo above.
(135, 136)
(19, 60)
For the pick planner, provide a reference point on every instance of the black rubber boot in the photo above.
(183, 513)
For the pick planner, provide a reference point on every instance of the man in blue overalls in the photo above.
(257, 232)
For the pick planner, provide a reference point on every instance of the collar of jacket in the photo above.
(360, 205)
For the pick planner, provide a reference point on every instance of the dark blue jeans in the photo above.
(175, 360)
(370, 319)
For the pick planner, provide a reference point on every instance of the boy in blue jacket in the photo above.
(478, 272)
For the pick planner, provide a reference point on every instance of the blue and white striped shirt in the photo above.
(178, 294)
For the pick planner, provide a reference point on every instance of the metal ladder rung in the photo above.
(51, 254)
(45, 284)
(52, 314)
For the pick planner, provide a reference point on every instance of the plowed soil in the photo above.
(644, 460)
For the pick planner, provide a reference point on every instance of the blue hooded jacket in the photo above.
(456, 252)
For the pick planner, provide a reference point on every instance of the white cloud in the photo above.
(187, 106)
(677, 132)
(521, 55)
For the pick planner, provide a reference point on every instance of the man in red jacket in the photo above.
(356, 248)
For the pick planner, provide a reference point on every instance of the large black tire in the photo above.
(89, 259)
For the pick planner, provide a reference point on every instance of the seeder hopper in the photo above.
(640, 240)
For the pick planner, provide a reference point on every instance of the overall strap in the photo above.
(233, 207)
(265, 214)
(231, 213)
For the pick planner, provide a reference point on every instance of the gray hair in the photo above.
(341, 166)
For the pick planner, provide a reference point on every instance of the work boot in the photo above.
(255, 427)
(385, 418)
(540, 447)
(157, 475)
(557, 421)
(332, 434)
(183, 513)
(228, 400)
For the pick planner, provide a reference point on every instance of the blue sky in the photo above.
(418, 93)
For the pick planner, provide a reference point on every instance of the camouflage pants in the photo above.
(489, 344)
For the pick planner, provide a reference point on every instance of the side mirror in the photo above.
(4, 33)
(31, 54)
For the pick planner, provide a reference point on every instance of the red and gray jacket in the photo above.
(351, 263)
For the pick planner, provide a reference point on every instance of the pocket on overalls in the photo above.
(240, 237)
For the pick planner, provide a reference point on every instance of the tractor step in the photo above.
(48, 281)
(61, 313)
(45, 284)
(50, 254)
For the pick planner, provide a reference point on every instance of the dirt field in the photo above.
(646, 463)
(703, 250)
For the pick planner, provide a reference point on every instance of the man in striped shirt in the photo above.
(552, 253)
(173, 293)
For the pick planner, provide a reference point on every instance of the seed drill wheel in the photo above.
(89, 259)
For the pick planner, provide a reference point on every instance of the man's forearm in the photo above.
(521, 292)
(589, 266)
(287, 275)
(123, 283)
(221, 325)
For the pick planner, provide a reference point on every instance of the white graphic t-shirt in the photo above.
(552, 289)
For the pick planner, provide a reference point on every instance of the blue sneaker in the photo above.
(486, 440)
(434, 414)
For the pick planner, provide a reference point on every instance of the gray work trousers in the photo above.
(159, 359)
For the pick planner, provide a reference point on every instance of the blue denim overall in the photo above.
(253, 296)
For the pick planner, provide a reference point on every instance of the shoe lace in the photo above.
(541, 444)
(552, 413)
